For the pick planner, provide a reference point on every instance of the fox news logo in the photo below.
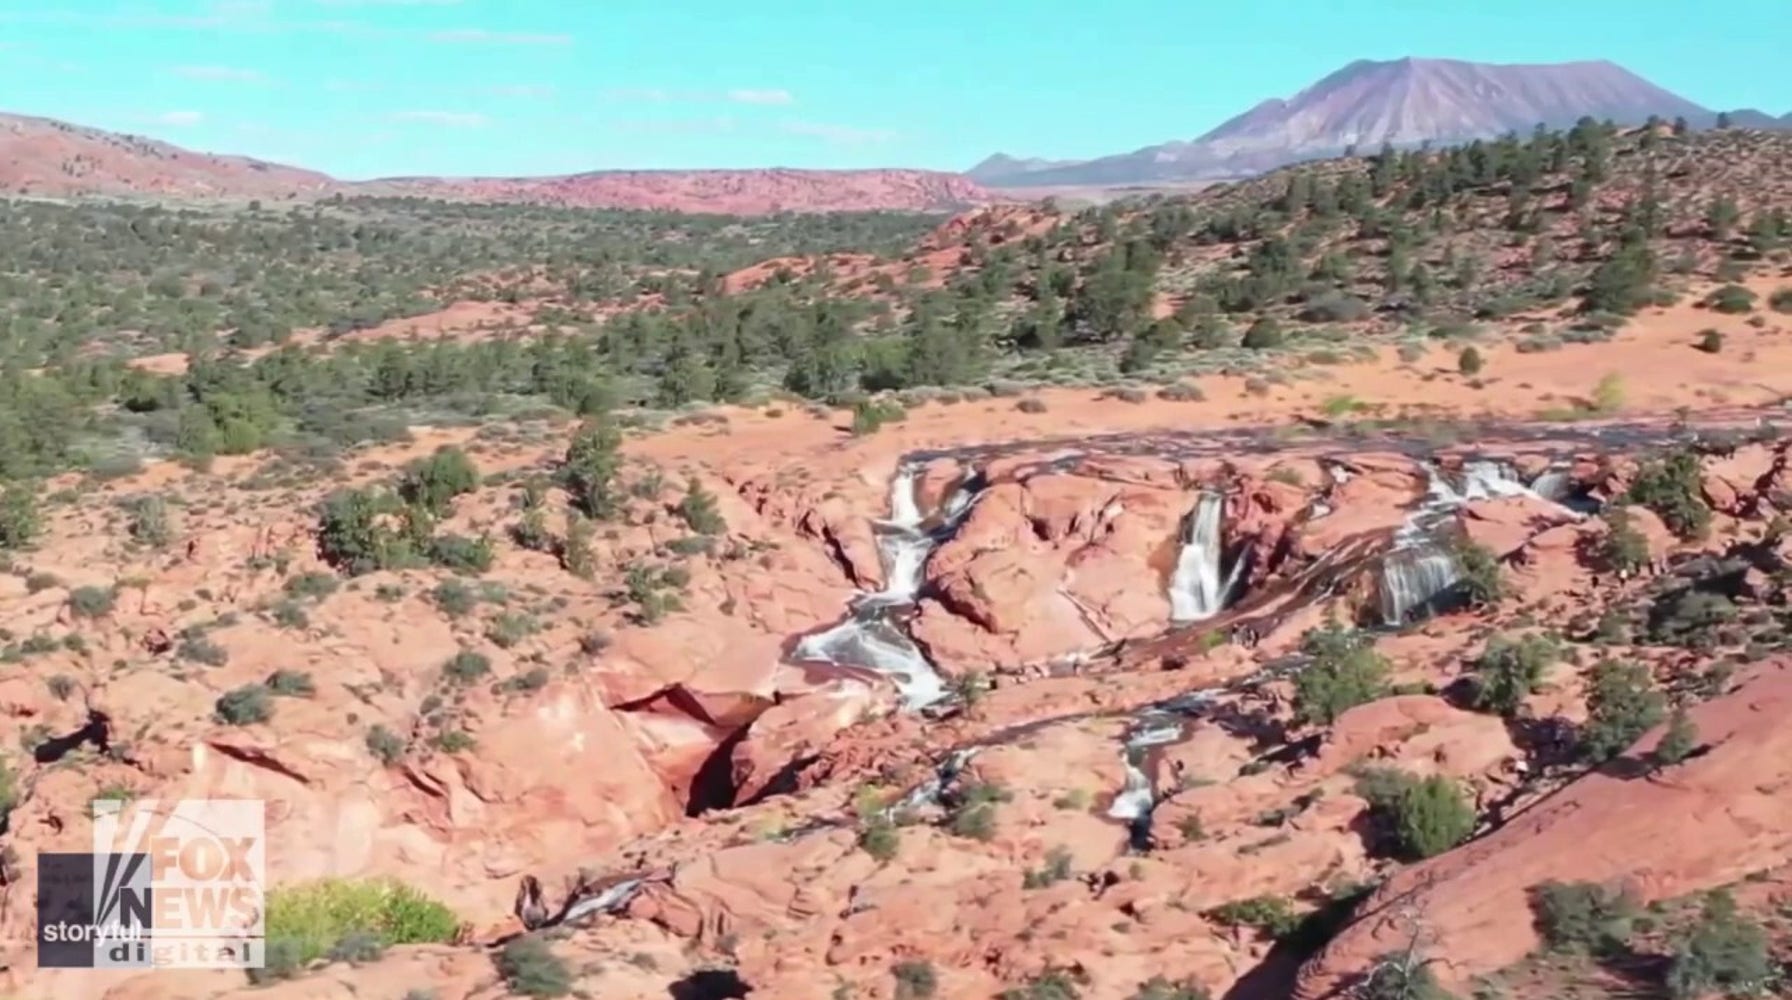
(177, 885)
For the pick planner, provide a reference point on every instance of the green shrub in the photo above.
(467, 666)
(200, 649)
(1672, 487)
(314, 586)
(698, 508)
(1423, 817)
(1273, 916)
(245, 705)
(869, 415)
(1032, 404)
(1711, 342)
(1582, 916)
(1264, 334)
(1159, 988)
(92, 602)
(1679, 741)
(454, 598)
(1621, 707)
(1482, 582)
(291, 684)
(530, 968)
(1733, 299)
(880, 838)
(1345, 672)
(1056, 869)
(461, 554)
(149, 521)
(1053, 984)
(1507, 671)
(314, 918)
(386, 746)
(915, 980)
(434, 482)
(1781, 300)
(1724, 953)
(1623, 548)
(19, 519)
(1469, 362)
(974, 811)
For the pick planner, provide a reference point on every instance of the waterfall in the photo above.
(871, 637)
(1198, 588)
(1164, 722)
(1414, 579)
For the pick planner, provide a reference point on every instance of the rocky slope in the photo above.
(40, 156)
(1404, 102)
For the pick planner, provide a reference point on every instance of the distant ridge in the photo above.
(45, 157)
(1404, 102)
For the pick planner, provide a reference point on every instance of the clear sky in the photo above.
(363, 88)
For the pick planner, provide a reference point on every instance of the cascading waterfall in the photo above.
(1415, 579)
(1165, 722)
(871, 637)
(1200, 588)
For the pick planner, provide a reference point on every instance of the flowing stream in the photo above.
(873, 635)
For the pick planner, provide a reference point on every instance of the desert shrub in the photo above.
(149, 521)
(1723, 953)
(291, 684)
(1781, 300)
(1671, 486)
(357, 948)
(915, 980)
(1732, 299)
(880, 838)
(1052, 984)
(1421, 817)
(92, 602)
(973, 812)
(1264, 334)
(352, 534)
(1690, 617)
(461, 554)
(1056, 869)
(1622, 705)
(1402, 977)
(1469, 362)
(199, 649)
(386, 746)
(454, 598)
(1181, 392)
(1159, 988)
(1508, 670)
(1273, 916)
(467, 666)
(1345, 672)
(530, 968)
(1482, 583)
(315, 586)
(245, 705)
(1335, 307)
(1679, 740)
(1623, 548)
(432, 483)
(510, 628)
(869, 415)
(1031, 404)
(1582, 916)
(1711, 342)
(19, 518)
(1608, 393)
(698, 508)
(317, 917)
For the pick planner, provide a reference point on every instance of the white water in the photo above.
(1199, 588)
(1413, 577)
(867, 638)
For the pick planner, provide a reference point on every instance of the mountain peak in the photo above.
(1403, 102)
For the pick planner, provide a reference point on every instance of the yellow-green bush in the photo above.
(315, 916)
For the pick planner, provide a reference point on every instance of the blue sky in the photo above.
(363, 88)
